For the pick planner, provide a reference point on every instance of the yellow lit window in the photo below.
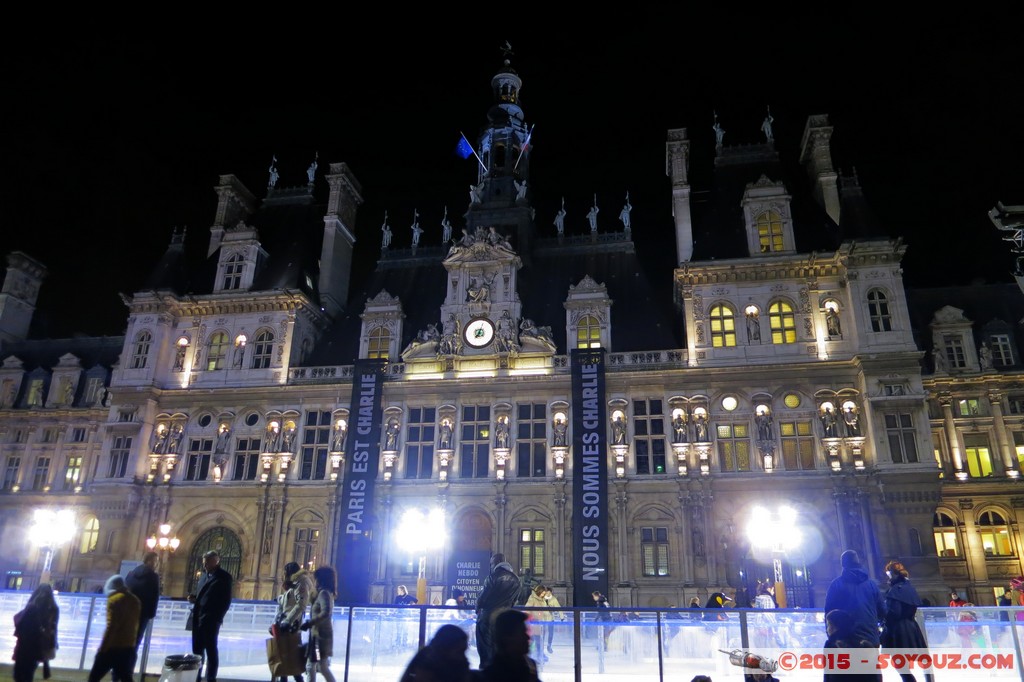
(769, 232)
(783, 322)
(379, 341)
(723, 327)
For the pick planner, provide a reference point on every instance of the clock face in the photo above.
(479, 332)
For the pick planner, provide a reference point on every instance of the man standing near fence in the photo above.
(500, 591)
(144, 583)
(210, 603)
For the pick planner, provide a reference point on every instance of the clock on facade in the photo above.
(479, 332)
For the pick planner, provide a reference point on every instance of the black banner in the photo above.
(467, 569)
(361, 463)
(589, 476)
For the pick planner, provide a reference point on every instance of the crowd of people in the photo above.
(513, 626)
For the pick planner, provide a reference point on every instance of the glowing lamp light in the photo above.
(421, 532)
(776, 531)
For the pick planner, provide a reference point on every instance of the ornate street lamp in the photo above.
(777, 532)
(419, 533)
(163, 542)
(50, 529)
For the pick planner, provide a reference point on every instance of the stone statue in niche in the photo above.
(501, 435)
(832, 322)
(828, 423)
(618, 430)
(852, 421)
(753, 328)
(174, 442)
(340, 433)
(445, 439)
(223, 438)
(700, 427)
(764, 426)
(561, 428)
(679, 431)
(391, 435)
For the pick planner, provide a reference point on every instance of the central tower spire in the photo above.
(501, 196)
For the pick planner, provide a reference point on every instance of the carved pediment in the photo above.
(382, 299)
(69, 360)
(12, 362)
(764, 181)
(949, 315)
(587, 285)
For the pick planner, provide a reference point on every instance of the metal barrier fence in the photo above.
(374, 644)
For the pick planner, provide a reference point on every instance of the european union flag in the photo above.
(464, 149)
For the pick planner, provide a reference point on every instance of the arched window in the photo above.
(588, 332)
(90, 536)
(222, 541)
(233, 268)
(723, 326)
(878, 311)
(379, 343)
(995, 534)
(782, 322)
(218, 351)
(944, 530)
(140, 351)
(769, 231)
(262, 349)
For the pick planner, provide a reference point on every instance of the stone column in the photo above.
(1010, 465)
(946, 401)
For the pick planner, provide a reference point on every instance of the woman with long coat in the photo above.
(900, 629)
(321, 625)
(35, 632)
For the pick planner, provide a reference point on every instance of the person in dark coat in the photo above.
(900, 630)
(854, 592)
(35, 632)
(144, 582)
(842, 634)
(715, 602)
(511, 661)
(210, 603)
(500, 591)
(443, 659)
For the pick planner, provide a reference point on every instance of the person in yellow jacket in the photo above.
(541, 597)
(116, 654)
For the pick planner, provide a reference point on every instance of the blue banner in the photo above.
(589, 476)
(361, 463)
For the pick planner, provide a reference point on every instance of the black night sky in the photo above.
(112, 141)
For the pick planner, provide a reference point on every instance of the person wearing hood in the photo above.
(292, 603)
(116, 653)
(854, 592)
(500, 591)
(900, 629)
(717, 600)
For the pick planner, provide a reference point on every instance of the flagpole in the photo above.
(526, 144)
(474, 152)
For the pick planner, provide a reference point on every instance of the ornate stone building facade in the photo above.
(598, 427)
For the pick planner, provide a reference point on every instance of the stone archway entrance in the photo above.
(225, 543)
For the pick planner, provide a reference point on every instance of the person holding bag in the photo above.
(35, 631)
(321, 625)
(291, 609)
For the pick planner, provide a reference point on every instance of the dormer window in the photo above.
(140, 350)
(878, 311)
(233, 268)
(769, 232)
(588, 332)
(379, 344)
(953, 347)
(1002, 353)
